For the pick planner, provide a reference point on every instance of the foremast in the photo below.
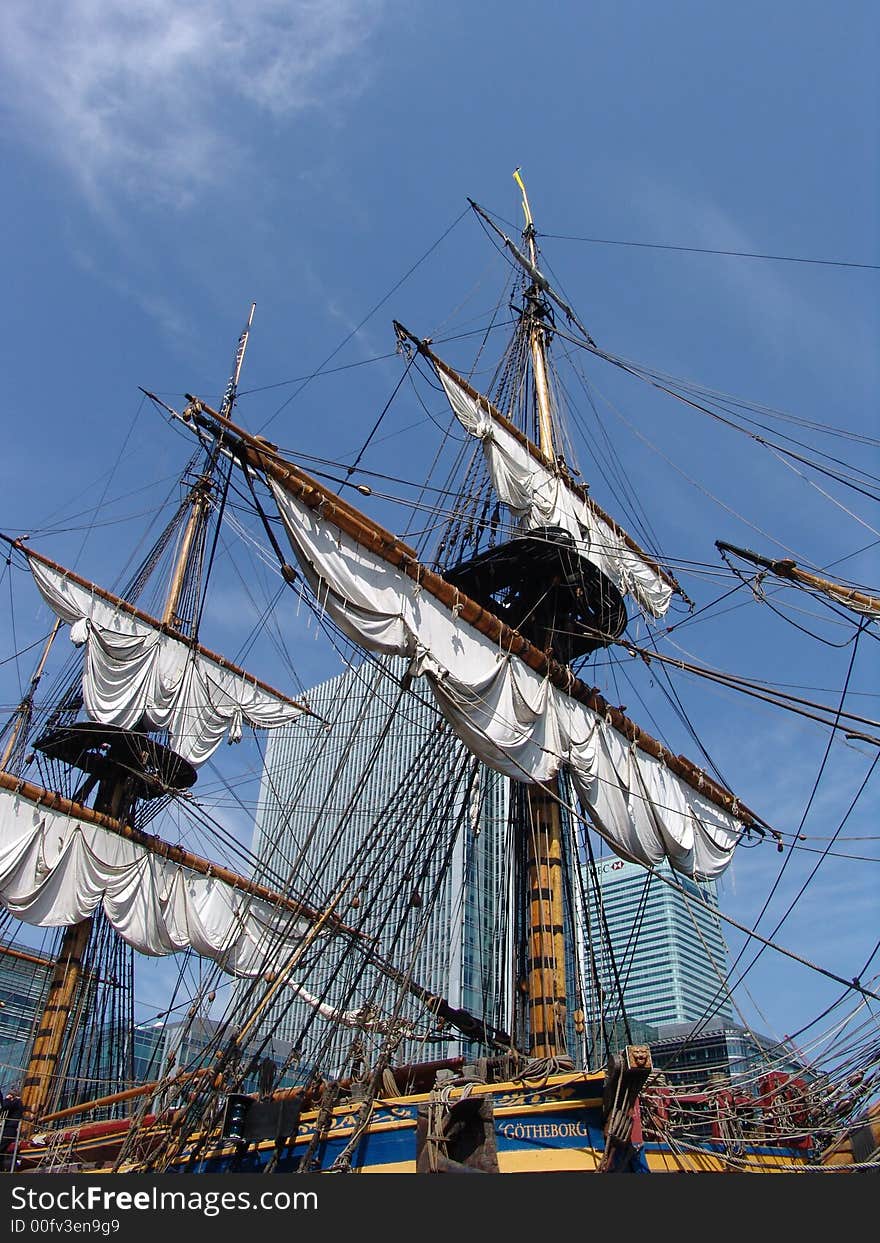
(117, 794)
(111, 801)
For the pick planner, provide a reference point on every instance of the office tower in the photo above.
(24, 981)
(657, 943)
(392, 802)
(697, 1056)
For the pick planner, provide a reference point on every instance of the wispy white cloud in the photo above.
(138, 97)
(771, 297)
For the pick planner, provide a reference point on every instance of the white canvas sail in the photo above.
(539, 497)
(57, 868)
(510, 716)
(134, 671)
(367, 1018)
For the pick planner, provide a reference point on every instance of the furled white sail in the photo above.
(133, 670)
(366, 1017)
(539, 497)
(56, 869)
(511, 717)
(845, 597)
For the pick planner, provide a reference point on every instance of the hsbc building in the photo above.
(664, 944)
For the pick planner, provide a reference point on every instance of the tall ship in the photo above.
(488, 631)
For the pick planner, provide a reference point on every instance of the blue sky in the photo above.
(167, 164)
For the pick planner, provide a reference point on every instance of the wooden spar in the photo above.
(528, 266)
(199, 499)
(535, 451)
(428, 1069)
(545, 968)
(858, 601)
(114, 801)
(374, 538)
(132, 611)
(232, 387)
(157, 846)
(42, 1064)
(538, 346)
(283, 975)
(9, 951)
(129, 1094)
(177, 854)
(67, 969)
(199, 496)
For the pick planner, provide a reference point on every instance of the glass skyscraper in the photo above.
(378, 796)
(24, 982)
(657, 945)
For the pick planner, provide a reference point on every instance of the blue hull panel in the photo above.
(554, 1126)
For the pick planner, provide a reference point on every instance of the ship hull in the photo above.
(552, 1126)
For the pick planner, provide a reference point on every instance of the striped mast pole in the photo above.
(545, 968)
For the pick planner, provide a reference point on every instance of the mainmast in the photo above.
(545, 974)
(499, 632)
(495, 637)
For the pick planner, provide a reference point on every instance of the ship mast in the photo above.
(557, 608)
(67, 968)
(116, 797)
(537, 338)
(545, 976)
(114, 801)
(200, 496)
(20, 722)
